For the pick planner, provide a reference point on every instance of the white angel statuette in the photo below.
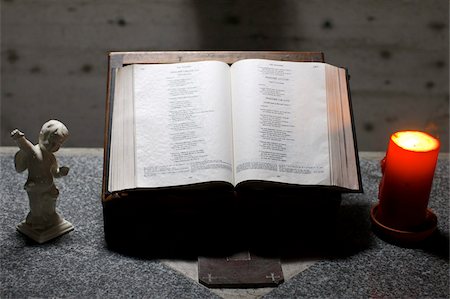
(43, 222)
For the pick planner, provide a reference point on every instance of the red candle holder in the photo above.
(408, 170)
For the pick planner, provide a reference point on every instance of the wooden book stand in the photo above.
(222, 229)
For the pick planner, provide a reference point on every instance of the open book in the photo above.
(254, 122)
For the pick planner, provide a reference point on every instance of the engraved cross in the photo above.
(273, 276)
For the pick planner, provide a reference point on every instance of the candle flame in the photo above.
(415, 141)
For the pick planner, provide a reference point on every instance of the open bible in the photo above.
(257, 122)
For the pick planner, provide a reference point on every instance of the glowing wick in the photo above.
(415, 141)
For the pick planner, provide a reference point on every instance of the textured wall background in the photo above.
(54, 55)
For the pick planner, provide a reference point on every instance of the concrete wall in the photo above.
(54, 55)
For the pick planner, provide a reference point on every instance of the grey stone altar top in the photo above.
(357, 264)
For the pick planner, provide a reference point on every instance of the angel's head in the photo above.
(52, 135)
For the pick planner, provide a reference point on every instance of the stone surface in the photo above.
(79, 265)
(54, 54)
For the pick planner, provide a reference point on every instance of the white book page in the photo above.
(280, 122)
(182, 123)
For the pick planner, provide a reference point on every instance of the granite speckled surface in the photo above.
(79, 265)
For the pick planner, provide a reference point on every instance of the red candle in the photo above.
(408, 171)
